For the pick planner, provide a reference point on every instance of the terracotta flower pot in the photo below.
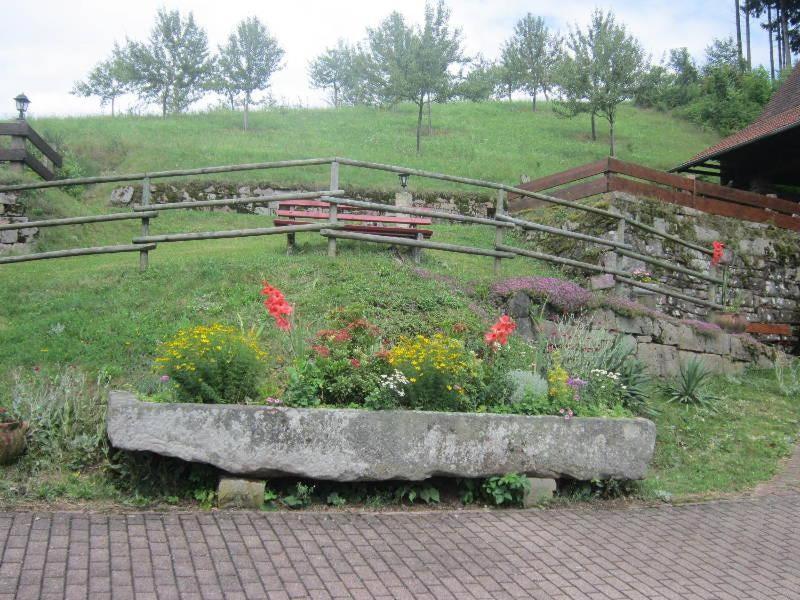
(12, 441)
(730, 322)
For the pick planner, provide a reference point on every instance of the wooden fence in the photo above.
(612, 175)
(332, 229)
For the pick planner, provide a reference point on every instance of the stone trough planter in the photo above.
(361, 445)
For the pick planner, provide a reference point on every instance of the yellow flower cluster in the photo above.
(444, 354)
(199, 342)
(557, 378)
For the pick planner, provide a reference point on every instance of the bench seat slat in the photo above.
(311, 204)
(300, 214)
(373, 229)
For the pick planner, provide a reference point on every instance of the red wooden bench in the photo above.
(301, 212)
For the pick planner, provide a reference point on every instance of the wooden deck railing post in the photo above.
(334, 185)
(500, 209)
(143, 255)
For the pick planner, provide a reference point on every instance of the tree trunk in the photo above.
(533, 101)
(594, 128)
(164, 106)
(335, 96)
(232, 101)
(613, 139)
(421, 104)
(112, 107)
(246, 109)
(771, 45)
(787, 50)
(430, 121)
(738, 28)
(747, 36)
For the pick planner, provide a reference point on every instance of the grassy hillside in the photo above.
(496, 141)
(101, 317)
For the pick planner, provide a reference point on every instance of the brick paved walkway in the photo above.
(737, 549)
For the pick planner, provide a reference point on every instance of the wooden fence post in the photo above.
(143, 257)
(334, 185)
(500, 209)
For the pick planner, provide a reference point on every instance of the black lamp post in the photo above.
(22, 102)
(403, 179)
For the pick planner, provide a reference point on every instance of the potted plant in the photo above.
(12, 437)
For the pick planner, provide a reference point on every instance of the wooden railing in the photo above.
(21, 132)
(613, 175)
(333, 230)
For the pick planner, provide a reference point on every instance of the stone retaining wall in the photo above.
(764, 261)
(661, 342)
(12, 211)
(475, 204)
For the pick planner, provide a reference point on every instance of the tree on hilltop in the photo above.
(603, 67)
(532, 54)
(172, 67)
(106, 81)
(246, 63)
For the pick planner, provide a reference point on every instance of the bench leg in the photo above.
(416, 253)
(290, 244)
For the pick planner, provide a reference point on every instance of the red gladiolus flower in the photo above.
(499, 332)
(277, 306)
(719, 248)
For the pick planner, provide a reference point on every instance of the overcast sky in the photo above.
(48, 44)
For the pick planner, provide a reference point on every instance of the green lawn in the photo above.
(498, 141)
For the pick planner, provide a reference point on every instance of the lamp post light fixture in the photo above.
(403, 180)
(22, 103)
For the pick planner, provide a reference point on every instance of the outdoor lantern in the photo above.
(403, 179)
(22, 104)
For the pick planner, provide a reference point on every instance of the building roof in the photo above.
(782, 112)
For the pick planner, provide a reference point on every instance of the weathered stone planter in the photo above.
(12, 441)
(361, 445)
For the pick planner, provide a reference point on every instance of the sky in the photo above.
(49, 44)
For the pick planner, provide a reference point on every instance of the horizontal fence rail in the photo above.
(76, 252)
(233, 233)
(622, 275)
(235, 201)
(78, 220)
(384, 239)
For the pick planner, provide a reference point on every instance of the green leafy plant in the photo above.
(214, 364)
(66, 416)
(342, 367)
(429, 494)
(506, 489)
(206, 498)
(334, 499)
(690, 387)
(301, 496)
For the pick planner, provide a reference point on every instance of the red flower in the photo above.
(277, 306)
(499, 332)
(355, 363)
(323, 351)
(719, 248)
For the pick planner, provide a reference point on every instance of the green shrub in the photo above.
(214, 364)
(66, 416)
(342, 369)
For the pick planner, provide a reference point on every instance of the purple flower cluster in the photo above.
(701, 326)
(563, 295)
